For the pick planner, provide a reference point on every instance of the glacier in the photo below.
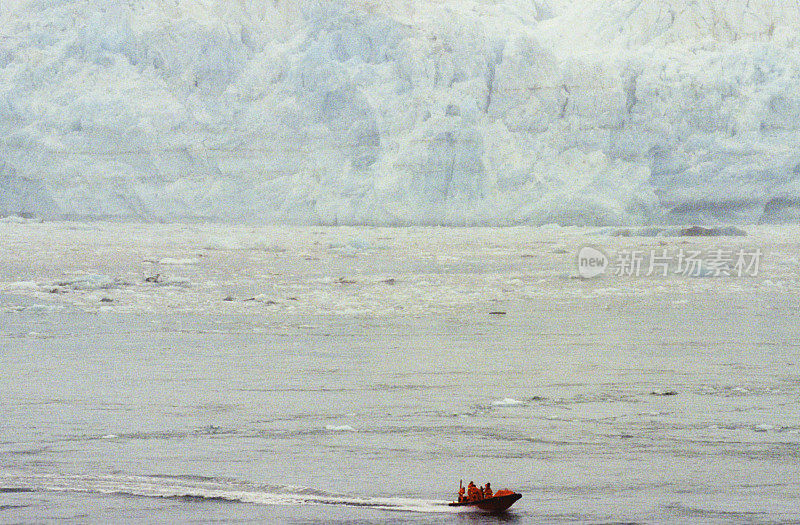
(399, 112)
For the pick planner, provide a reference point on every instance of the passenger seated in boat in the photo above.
(461, 497)
(487, 490)
(473, 492)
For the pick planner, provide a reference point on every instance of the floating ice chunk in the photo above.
(163, 280)
(699, 231)
(109, 436)
(360, 244)
(340, 428)
(263, 246)
(92, 282)
(507, 401)
(170, 260)
(222, 243)
(763, 427)
(43, 309)
(664, 392)
(23, 285)
(15, 219)
(183, 282)
(265, 299)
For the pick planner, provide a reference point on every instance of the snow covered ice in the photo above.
(579, 112)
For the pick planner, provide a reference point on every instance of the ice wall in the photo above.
(402, 111)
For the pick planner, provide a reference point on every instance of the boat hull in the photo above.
(493, 504)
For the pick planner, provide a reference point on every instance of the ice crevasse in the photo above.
(462, 112)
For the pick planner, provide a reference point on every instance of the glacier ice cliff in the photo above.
(583, 112)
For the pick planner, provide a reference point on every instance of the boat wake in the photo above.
(197, 488)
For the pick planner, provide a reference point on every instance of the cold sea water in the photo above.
(197, 373)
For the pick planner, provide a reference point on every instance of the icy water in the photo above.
(342, 375)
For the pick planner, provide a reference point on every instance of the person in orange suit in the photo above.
(487, 490)
(461, 497)
(473, 492)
